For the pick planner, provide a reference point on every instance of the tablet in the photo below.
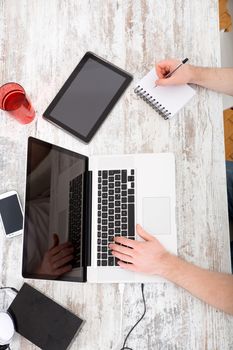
(87, 97)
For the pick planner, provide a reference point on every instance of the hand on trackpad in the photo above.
(156, 215)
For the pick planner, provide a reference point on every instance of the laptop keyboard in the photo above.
(116, 208)
(75, 218)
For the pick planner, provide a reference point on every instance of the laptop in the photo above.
(83, 202)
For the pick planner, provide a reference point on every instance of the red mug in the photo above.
(13, 99)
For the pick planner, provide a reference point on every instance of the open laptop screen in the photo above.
(54, 242)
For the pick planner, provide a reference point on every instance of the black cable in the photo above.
(131, 330)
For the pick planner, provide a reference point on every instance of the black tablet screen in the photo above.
(85, 100)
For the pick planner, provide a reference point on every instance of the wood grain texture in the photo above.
(40, 44)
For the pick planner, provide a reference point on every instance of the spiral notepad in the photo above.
(166, 100)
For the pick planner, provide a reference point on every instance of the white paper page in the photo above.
(173, 98)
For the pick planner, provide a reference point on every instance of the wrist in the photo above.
(169, 266)
(195, 75)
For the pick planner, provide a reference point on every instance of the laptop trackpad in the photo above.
(156, 215)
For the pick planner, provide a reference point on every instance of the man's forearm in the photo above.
(218, 79)
(214, 288)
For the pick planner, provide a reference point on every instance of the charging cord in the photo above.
(11, 288)
(124, 347)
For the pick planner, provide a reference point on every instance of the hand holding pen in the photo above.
(173, 72)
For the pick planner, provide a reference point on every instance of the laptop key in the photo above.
(105, 174)
(111, 261)
(124, 187)
(104, 235)
(131, 219)
(104, 262)
(124, 176)
(130, 199)
(130, 191)
(104, 242)
(130, 178)
(98, 263)
(117, 210)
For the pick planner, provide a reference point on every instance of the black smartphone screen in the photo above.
(11, 214)
(42, 321)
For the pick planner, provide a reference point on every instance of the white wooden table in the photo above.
(40, 44)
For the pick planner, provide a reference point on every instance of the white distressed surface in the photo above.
(40, 44)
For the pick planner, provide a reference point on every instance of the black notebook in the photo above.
(42, 321)
(166, 100)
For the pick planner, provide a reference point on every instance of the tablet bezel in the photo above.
(128, 78)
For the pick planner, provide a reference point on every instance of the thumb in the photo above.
(142, 233)
(55, 240)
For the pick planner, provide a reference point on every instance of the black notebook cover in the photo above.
(42, 321)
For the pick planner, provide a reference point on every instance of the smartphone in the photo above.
(11, 214)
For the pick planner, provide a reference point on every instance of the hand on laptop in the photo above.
(148, 256)
(56, 260)
(182, 75)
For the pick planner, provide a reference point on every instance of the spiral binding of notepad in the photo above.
(152, 102)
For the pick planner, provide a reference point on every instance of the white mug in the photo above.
(7, 330)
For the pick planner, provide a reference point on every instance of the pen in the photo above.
(172, 72)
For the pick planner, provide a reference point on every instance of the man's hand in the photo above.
(183, 75)
(56, 260)
(148, 256)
